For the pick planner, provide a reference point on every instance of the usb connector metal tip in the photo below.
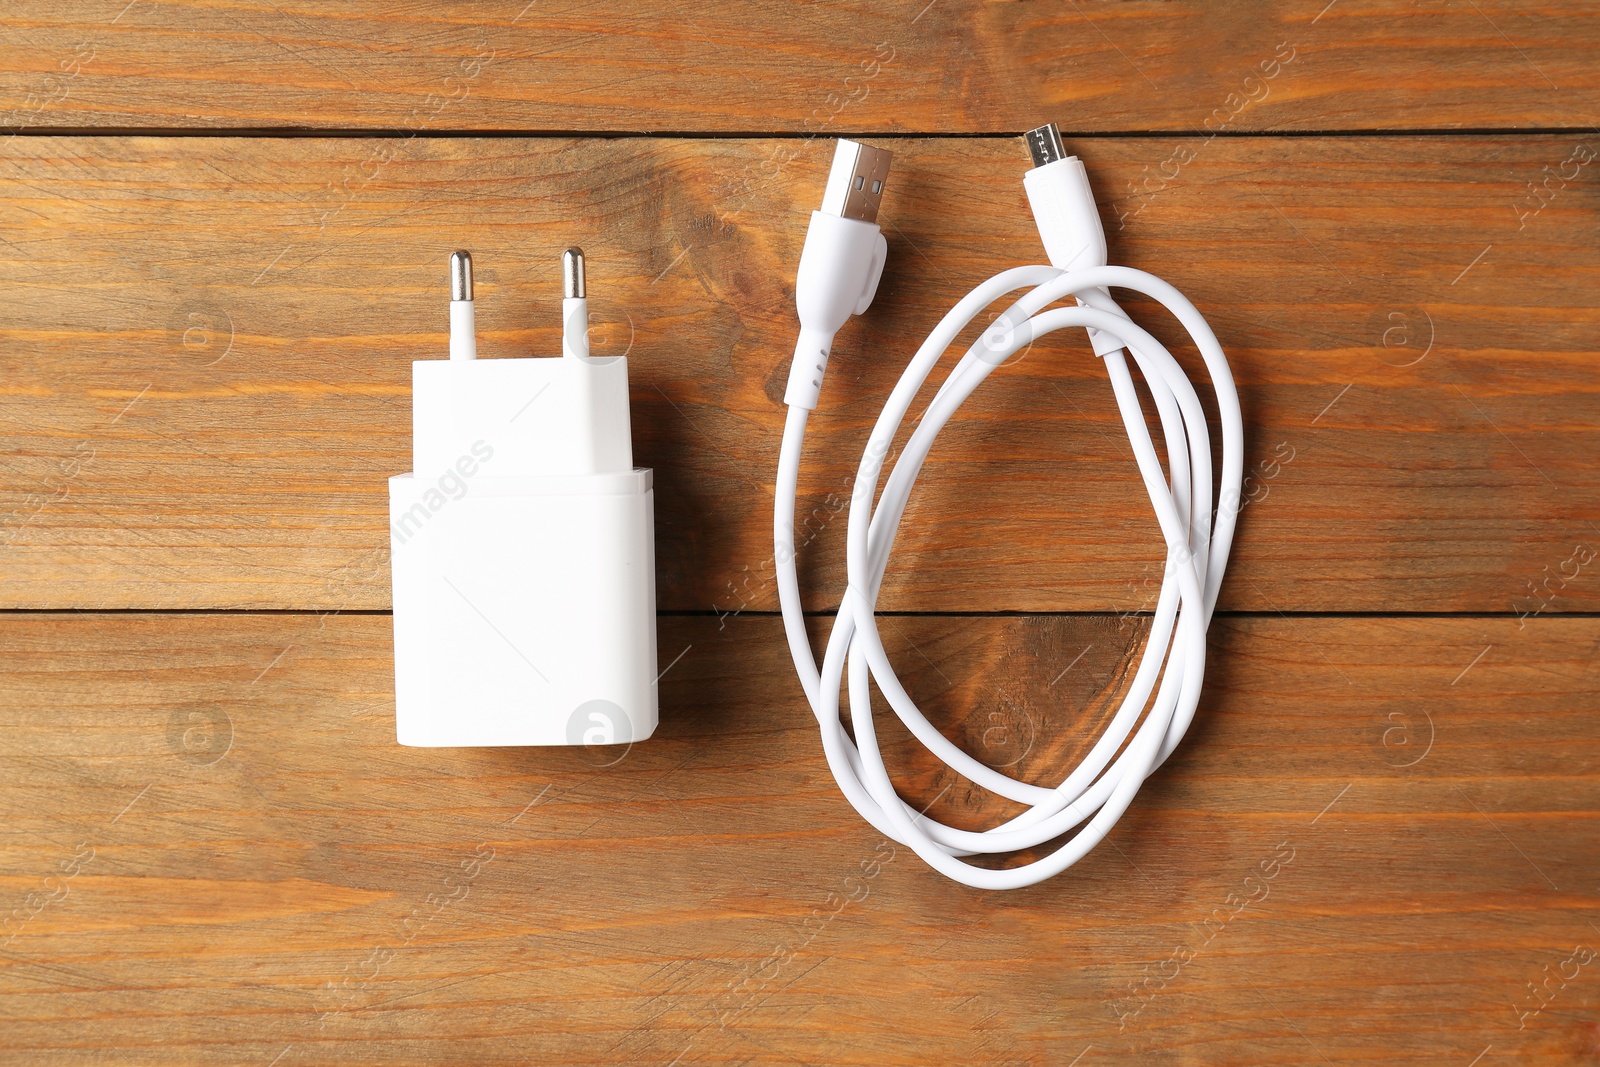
(855, 184)
(1044, 145)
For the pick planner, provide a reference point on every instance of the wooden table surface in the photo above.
(223, 229)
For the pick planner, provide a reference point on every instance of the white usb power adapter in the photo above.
(523, 546)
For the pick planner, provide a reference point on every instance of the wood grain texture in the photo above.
(1378, 844)
(943, 67)
(206, 362)
(215, 852)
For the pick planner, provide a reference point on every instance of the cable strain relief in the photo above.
(807, 369)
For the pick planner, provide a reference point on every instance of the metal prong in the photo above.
(460, 276)
(1044, 145)
(572, 286)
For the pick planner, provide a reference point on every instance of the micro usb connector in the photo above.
(1063, 204)
(855, 184)
(1068, 220)
(1044, 145)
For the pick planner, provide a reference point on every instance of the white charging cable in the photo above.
(839, 270)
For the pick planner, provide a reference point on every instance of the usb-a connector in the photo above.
(840, 264)
(855, 184)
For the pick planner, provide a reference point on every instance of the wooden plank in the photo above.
(208, 371)
(951, 67)
(215, 851)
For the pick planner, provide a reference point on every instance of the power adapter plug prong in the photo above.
(574, 306)
(463, 328)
